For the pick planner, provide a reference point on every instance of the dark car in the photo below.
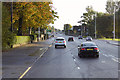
(88, 49)
(88, 38)
(80, 37)
(70, 39)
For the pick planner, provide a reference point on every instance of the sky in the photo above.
(70, 11)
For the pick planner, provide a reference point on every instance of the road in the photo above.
(65, 63)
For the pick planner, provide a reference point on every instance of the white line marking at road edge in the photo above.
(78, 67)
(24, 73)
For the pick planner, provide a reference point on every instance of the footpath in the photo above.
(17, 60)
(117, 43)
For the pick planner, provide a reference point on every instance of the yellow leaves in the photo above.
(34, 13)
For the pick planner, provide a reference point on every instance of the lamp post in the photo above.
(115, 9)
(95, 26)
(114, 23)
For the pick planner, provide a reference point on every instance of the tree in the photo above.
(110, 6)
(32, 14)
(88, 18)
(7, 35)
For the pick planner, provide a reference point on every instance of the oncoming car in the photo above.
(60, 41)
(88, 49)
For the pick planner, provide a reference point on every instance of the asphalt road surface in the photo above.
(65, 63)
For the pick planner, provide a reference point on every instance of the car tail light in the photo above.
(63, 41)
(82, 48)
(95, 48)
(56, 41)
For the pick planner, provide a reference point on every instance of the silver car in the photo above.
(60, 41)
(88, 38)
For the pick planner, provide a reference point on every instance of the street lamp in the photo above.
(114, 7)
(95, 25)
(114, 23)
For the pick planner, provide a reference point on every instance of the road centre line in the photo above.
(114, 60)
(74, 60)
(105, 55)
(102, 61)
(78, 67)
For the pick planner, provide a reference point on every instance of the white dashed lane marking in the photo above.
(113, 58)
(74, 60)
(78, 67)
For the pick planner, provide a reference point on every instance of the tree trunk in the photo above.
(20, 27)
(30, 30)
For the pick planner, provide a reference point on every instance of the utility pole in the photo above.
(114, 23)
(95, 25)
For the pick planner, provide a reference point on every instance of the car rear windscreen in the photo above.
(88, 44)
(59, 39)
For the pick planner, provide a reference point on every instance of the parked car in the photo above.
(70, 39)
(80, 37)
(60, 41)
(88, 49)
(88, 38)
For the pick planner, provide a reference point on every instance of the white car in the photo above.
(60, 41)
(89, 38)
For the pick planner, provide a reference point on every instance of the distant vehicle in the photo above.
(80, 37)
(52, 35)
(88, 49)
(88, 38)
(70, 39)
(60, 41)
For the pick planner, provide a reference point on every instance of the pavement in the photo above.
(117, 43)
(15, 61)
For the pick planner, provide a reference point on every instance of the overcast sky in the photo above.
(70, 11)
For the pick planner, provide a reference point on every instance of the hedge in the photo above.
(22, 39)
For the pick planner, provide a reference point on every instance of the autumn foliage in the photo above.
(31, 15)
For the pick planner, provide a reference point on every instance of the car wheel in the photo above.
(64, 46)
(55, 46)
(97, 56)
(80, 55)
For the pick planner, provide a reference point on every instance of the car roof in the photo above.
(59, 38)
(88, 42)
(70, 36)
